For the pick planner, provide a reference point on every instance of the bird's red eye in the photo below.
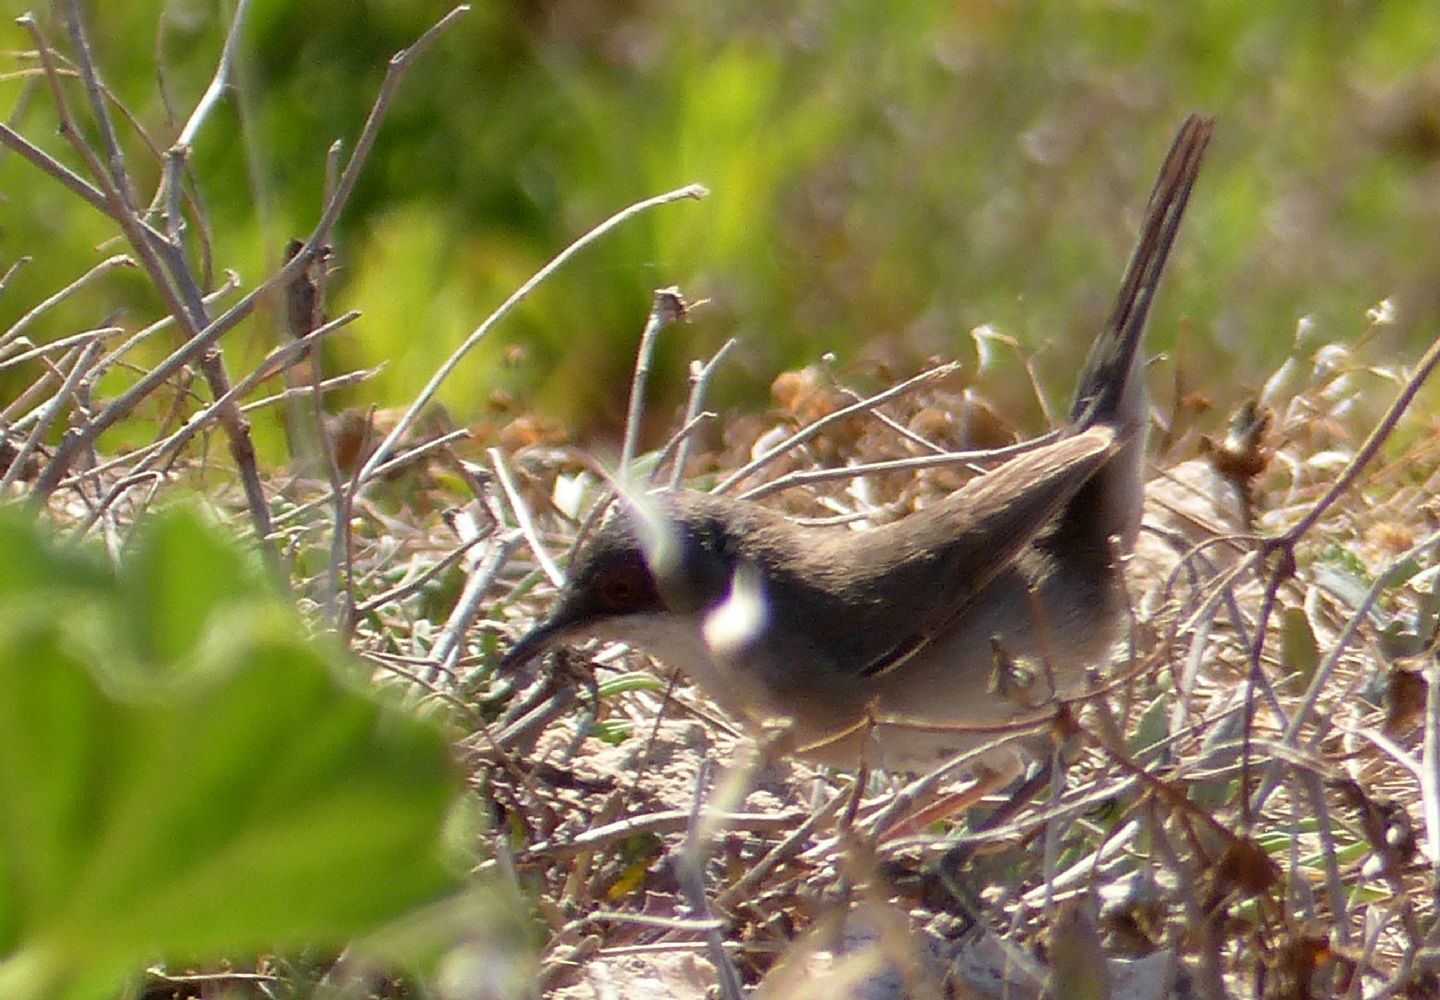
(620, 589)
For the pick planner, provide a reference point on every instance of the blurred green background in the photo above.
(883, 177)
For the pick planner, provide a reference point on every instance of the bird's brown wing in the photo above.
(939, 559)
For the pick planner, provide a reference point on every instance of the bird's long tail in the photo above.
(1112, 387)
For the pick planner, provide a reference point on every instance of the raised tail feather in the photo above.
(1112, 386)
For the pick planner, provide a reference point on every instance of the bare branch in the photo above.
(11, 271)
(811, 430)
(118, 175)
(666, 307)
(519, 295)
(1368, 450)
(700, 376)
(98, 271)
(344, 381)
(807, 477)
(394, 73)
(218, 83)
(203, 340)
(47, 163)
(53, 409)
(63, 344)
(523, 517)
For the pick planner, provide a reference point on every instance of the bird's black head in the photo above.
(617, 573)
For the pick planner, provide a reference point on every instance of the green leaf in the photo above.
(1299, 650)
(36, 567)
(634, 680)
(1397, 641)
(614, 731)
(179, 574)
(265, 807)
(1152, 726)
(254, 800)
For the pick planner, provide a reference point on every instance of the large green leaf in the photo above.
(180, 573)
(35, 568)
(249, 798)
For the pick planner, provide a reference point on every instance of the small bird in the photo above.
(901, 646)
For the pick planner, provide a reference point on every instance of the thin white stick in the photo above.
(367, 471)
(666, 307)
(523, 518)
(809, 431)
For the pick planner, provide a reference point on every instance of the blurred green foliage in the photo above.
(884, 177)
(184, 775)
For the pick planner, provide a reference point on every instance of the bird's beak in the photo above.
(533, 643)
